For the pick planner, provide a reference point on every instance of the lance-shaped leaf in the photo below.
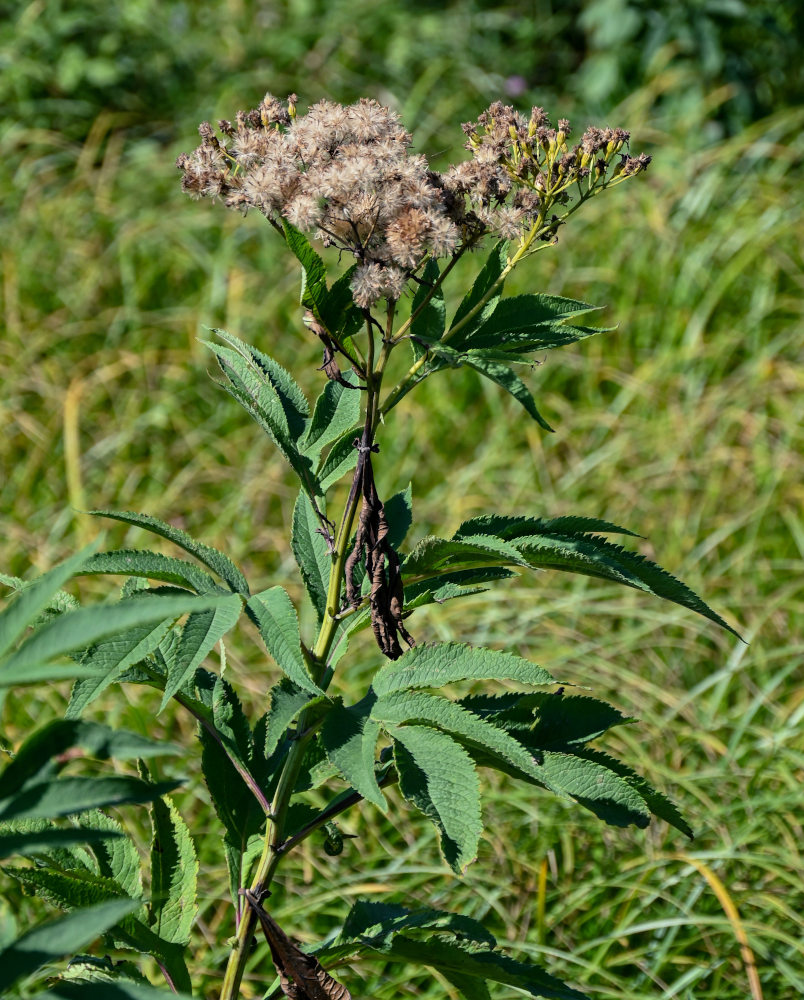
(440, 588)
(399, 515)
(438, 776)
(446, 663)
(349, 737)
(200, 633)
(428, 311)
(66, 796)
(49, 837)
(33, 598)
(503, 376)
(116, 855)
(314, 273)
(150, 566)
(213, 559)
(406, 707)
(311, 552)
(287, 702)
(341, 458)
(278, 623)
(338, 311)
(337, 410)
(122, 989)
(107, 661)
(511, 527)
(375, 924)
(34, 759)
(531, 323)
(174, 871)
(58, 938)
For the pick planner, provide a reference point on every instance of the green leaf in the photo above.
(449, 956)
(174, 872)
(50, 838)
(446, 587)
(65, 796)
(508, 380)
(399, 515)
(217, 561)
(116, 854)
(594, 556)
(200, 634)
(53, 940)
(295, 407)
(446, 663)
(349, 736)
(150, 566)
(278, 623)
(484, 283)
(35, 597)
(121, 990)
(338, 311)
(449, 555)
(469, 987)
(79, 629)
(287, 702)
(314, 273)
(429, 315)
(38, 674)
(337, 411)
(404, 708)
(533, 322)
(110, 659)
(310, 551)
(438, 776)
(68, 890)
(375, 924)
(512, 527)
(33, 759)
(342, 458)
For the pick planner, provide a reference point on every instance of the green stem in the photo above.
(273, 850)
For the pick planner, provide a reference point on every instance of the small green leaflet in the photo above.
(310, 551)
(58, 938)
(428, 311)
(217, 561)
(116, 854)
(278, 623)
(314, 273)
(349, 736)
(438, 776)
(287, 702)
(532, 323)
(484, 283)
(174, 871)
(150, 566)
(337, 410)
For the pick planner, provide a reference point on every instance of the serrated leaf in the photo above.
(116, 854)
(314, 273)
(594, 556)
(287, 702)
(405, 707)
(338, 311)
(79, 629)
(68, 890)
(341, 458)
(446, 663)
(450, 555)
(448, 956)
(150, 566)
(428, 311)
(65, 796)
(399, 515)
(32, 599)
(376, 923)
(447, 587)
(121, 990)
(108, 660)
(295, 407)
(503, 376)
(58, 938)
(311, 553)
(50, 838)
(174, 871)
(511, 527)
(337, 410)
(33, 760)
(278, 623)
(217, 561)
(200, 634)
(484, 283)
(41, 672)
(533, 322)
(349, 737)
(438, 776)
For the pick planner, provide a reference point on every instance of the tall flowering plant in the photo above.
(343, 178)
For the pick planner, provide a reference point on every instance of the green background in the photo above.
(683, 424)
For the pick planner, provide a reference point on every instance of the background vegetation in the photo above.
(684, 424)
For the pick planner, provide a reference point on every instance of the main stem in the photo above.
(272, 852)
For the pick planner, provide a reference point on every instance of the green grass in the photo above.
(684, 425)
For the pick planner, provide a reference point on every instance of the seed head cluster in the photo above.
(347, 175)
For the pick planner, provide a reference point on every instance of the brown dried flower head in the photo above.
(346, 175)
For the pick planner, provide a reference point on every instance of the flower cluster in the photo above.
(347, 175)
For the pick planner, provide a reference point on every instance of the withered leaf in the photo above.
(300, 975)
